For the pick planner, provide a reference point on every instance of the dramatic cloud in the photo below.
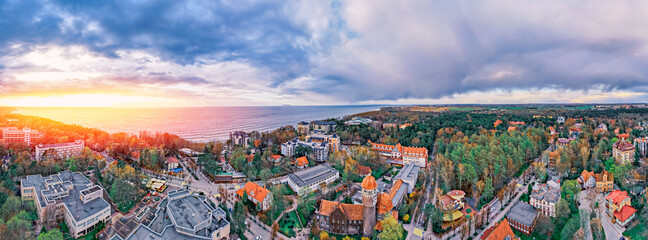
(327, 52)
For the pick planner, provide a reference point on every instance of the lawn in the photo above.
(288, 222)
(635, 232)
(286, 190)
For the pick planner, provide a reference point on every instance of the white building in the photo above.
(68, 196)
(59, 150)
(320, 149)
(312, 179)
(544, 198)
(26, 135)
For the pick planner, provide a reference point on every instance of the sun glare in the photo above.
(83, 100)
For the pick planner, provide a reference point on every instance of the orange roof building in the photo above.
(623, 151)
(364, 170)
(256, 194)
(301, 162)
(369, 183)
(402, 155)
(500, 231)
(275, 158)
(619, 206)
(172, 163)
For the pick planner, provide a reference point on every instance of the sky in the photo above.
(238, 52)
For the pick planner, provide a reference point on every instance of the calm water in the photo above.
(195, 124)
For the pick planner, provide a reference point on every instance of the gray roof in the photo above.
(58, 192)
(189, 211)
(311, 175)
(523, 213)
(143, 232)
(544, 192)
(409, 173)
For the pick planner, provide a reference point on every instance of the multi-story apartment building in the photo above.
(544, 198)
(619, 207)
(67, 196)
(59, 150)
(320, 149)
(402, 155)
(26, 135)
(641, 144)
(623, 151)
(332, 140)
(240, 138)
(324, 126)
(260, 196)
(303, 128)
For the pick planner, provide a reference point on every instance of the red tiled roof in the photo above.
(617, 196)
(625, 212)
(363, 170)
(250, 158)
(352, 211)
(254, 190)
(500, 231)
(623, 145)
(302, 161)
(275, 156)
(172, 160)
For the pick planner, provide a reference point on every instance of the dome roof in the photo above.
(369, 183)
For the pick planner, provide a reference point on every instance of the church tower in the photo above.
(369, 198)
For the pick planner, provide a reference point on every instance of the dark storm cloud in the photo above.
(356, 50)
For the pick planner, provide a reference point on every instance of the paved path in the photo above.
(585, 213)
(612, 230)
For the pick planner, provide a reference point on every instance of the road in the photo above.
(502, 214)
(585, 213)
(612, 230)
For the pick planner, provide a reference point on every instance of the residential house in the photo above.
(586, 180)
(523, 217)
(258, 195)
(604, 181)
(363, 171)
(172, 163)
(301, 162)
(562, 142)
(500, 231)
(390, 125)
(619, 207)
(276, 159)
(404, 125)
(544, 198)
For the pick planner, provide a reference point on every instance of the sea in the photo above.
(200, 124)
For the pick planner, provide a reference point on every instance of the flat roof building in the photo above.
(312, 178)
(183, 215)
(26, 135)
(68, 196)
(59, 150)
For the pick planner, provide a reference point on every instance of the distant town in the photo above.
(491, 172)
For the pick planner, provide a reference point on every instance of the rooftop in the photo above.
(311, 175)
(523, 213)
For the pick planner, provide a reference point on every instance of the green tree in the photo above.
(391, 229)
(18, 229)
(10, 207)
(570, 228)
(238, 218)
(570, 189)
(54, 234)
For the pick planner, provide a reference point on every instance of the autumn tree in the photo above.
(391, 229)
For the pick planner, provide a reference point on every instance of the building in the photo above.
(619, 207)
(523, 217)
(623, 151)
(240, 138)
(275, 158)
(301, 162)
(172, 163)
(451, 205)
(364, 217)
(409, 175)
(67, 196)
(59, 150)
(363, 171)
(320, 148)
(332, 140)
(258, 195)
(561, 119)
(400, 155)
(390, 125)
(554, 157)
(603, 181)
(324, 126)
(562, 142)
(544, 198)
(183, 215)
(312, 179)
(303, 128)
(641, 144)
(500, 231)
(358, 121)
(13, 135)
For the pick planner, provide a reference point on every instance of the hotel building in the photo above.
(26, 135)
(59, 150)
